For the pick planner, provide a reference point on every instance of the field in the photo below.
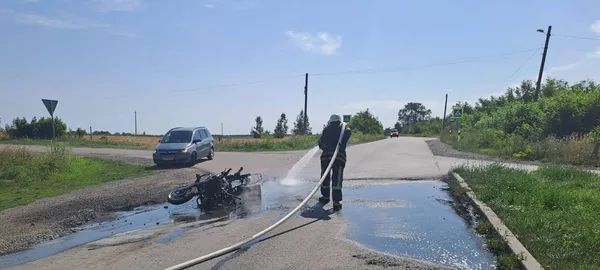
(553, 211)
(233, 143)
(26, 176)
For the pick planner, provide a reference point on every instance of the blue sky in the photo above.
(207, 62)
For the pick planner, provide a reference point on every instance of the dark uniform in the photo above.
(327, 143)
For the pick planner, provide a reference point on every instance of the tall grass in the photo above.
(26, 176)
(573, 150)
(554, 211)
(237, 144)
(285, 144)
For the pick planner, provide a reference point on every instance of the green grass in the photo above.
(554, 211)
(26, 176)
(289, 143)
(72, 142)
(573, 150)
(268, 143)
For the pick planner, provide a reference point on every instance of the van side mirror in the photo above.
(196, 140)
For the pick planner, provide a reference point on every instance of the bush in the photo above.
(19, 164)
(36, 129)
(562, 126)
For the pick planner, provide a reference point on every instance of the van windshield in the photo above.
(179, 136)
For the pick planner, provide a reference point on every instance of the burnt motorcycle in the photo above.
(215, 190)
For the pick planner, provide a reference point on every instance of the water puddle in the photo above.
(148, 217)
(414, 219)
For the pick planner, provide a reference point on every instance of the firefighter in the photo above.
(327, 143)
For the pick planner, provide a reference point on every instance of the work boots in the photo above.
(337, 206)
(324, 200)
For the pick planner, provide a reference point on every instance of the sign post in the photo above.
(51, 106)
(457, 113)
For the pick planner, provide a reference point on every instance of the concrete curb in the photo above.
(527, 260)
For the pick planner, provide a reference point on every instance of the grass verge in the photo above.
(249, 144)
(285, 144)
(573, 150)
(553, 211)
(72, 142)
(26, 176)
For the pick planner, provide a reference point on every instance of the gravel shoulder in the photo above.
(50, 218)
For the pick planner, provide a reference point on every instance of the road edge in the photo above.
(525, 258)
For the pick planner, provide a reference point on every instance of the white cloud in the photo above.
(321, 43)
(595, 54)
(117, 5)
(595, 27)
(238, 5)
(64, 21)
(562, 68)
(40, 20)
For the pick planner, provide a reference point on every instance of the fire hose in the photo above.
(276, 224)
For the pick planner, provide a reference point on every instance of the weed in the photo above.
(553, 211)
(26, 176)
(508, 262)
(232, 144)
(484, 227)
(573, 150)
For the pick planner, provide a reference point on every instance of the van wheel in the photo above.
(193, 160)
(211, 153)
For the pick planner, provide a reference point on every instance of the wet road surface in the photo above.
(415, 219)
(318, 238)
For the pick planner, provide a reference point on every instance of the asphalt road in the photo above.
(315, 242)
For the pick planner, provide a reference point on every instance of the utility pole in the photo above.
(539, 81)
(135, 116)
(91, 134)
(444, 118)
(221, 131)
(305, 103)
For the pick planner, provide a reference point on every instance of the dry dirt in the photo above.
(49, 218)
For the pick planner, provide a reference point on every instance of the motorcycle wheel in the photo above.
(180, 195)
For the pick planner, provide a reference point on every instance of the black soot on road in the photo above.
(143, 217)
(414, 219)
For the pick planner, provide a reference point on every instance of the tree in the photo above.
(412, 113)
(398, 126)
(36, 129)
(80, 133)
(258, 130)
(281, 128)
(366, 123)
(299, 128)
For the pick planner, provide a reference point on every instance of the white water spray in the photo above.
(292, 177)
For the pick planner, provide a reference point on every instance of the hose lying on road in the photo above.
(261, 233)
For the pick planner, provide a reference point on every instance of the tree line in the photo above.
(41, 129)
(364, 122)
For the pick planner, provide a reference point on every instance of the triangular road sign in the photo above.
(50, 105)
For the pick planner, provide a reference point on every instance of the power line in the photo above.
(520, 67)
(411, 67)
(576, 37)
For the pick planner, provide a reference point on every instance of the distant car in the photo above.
(184, 145)
(394, 133)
